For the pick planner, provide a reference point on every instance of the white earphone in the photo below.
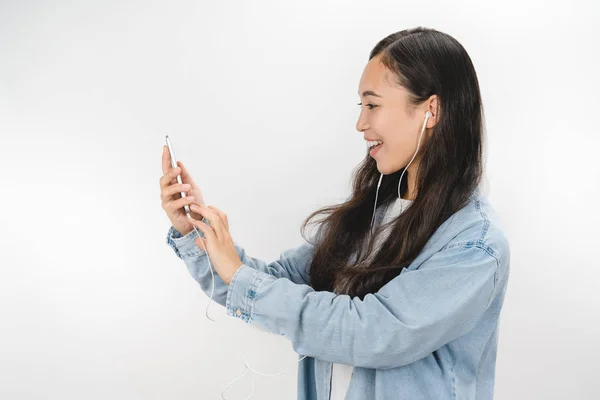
(427, 116)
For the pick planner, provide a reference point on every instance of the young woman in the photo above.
(399, 295)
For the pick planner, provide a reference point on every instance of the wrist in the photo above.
(183, 229)
(230, 276)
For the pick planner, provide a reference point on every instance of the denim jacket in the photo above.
(429, 333)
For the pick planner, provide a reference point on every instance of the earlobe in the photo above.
(428, 122)
(431, 119)
(433, 105)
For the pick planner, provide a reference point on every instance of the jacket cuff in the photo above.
(241, 292)
(185, 246)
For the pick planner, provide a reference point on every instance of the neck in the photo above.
(410, 191)
(411, 172)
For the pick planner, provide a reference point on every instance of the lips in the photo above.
(374, 150)
(370, 144)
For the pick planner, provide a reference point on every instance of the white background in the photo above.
(260, 101)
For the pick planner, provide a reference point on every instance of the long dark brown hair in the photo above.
(425, 62)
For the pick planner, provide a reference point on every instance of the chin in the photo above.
(384, 169)
(387, 169)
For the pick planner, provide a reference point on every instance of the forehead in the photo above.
(379, 79)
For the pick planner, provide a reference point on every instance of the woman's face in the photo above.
(387, 116)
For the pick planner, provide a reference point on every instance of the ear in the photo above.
(432, 105)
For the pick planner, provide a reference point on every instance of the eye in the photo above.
(372, 106)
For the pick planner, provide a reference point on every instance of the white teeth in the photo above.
(373, 143)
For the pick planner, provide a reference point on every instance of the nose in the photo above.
(361, 124)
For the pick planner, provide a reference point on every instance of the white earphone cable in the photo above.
(427, 115)
(248, 368)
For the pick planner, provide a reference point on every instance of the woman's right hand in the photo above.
(171, 200)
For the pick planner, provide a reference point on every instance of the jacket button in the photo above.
(238, 312)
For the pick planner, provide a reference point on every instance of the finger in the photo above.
(185, 175)
(221, 215)
(170, 193)
(176, 188)
(196, 208)
(212, 217)
(166, 159)
(209, 233)
(168, 178)
(201, 209)
(200, 241)
(179, 203)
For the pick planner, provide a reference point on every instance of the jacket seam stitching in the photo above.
(453, 381)
(486, 220)
(481, 244)
(254, 289)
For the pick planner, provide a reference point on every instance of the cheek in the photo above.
(399, 145)
(392, 128)
(381, 124)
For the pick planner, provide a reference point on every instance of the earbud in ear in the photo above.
(428, 114)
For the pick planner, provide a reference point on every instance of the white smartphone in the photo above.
(174, 165)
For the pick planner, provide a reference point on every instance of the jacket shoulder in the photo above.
(478, 224)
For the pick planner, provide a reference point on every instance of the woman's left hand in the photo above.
(217, 240)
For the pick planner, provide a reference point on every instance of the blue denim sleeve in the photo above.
(291, 264)
(411, 316)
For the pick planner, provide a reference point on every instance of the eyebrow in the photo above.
(370, 93)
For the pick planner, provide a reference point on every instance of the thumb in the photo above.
(185, 175)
